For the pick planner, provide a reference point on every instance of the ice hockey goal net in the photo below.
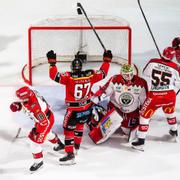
(68, 35)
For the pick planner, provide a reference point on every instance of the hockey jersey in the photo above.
(127, 96)
(38, 110)
(163, 75)
(78, 85)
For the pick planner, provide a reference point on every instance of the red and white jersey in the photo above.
(78, 85)
(164, 75)
(38, 110)
(127, 96)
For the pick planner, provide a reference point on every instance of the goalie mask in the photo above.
(76, 65)
(168, 53)
(127, 72)
(24, 93)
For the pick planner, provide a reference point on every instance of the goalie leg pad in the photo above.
(106, 127)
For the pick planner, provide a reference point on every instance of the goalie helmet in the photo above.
(168, 53)
(76, 65)
(127, 72)
(24, 93)
(176, 43)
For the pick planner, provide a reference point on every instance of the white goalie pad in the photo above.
(106, 127)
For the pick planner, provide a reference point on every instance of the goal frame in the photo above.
(29, 66)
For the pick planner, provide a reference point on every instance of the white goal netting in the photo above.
(68, 35)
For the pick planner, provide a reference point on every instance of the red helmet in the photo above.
(168, 53)
(176, 43)
(24, 93)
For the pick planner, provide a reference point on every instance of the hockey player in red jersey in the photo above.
(78, 85)
(163, 76)
(36, 108)
(127, 93)
(176, 46)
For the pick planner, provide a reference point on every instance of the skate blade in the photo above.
(139, 148)
(60, 151)
(69, 163)
(32, 172)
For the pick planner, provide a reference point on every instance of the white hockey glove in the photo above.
(95, 99)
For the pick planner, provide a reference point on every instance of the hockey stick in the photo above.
(80, 11)
(177, 92)
(148, 27)
(151, 33)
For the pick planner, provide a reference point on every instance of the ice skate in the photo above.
(68, 159)
(59, 146)
(139, 144)
(36, 166)
(174, 135)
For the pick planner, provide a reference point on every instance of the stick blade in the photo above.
(79, 5)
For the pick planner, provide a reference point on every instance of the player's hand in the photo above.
(15, 106)
(51, 56)
(107, 56)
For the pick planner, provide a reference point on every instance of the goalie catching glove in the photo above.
(107, 56)
(51, 56)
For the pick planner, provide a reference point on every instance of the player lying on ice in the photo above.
(78, 84)
(126, 93)
(37, 109)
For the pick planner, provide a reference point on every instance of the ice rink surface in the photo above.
(114, 159)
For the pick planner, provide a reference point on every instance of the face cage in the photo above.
(73, 69)
(128, 76)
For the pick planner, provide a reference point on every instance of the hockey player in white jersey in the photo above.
(37, 109)
(127, 93)
(163, 76)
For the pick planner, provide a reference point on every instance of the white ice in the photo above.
(114, 159)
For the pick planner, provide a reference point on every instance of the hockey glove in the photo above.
(51, 56)
(95, 99)
(15, 106)
(107, 56)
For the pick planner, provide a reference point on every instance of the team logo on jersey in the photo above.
(126, 99)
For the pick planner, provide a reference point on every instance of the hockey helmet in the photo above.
(176, 43)
(168, 53)
(76, 65)
(24, 93)
(127, 72)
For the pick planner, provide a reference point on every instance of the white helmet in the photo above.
(127, 72)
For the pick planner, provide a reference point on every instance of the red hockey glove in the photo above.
(107, 56)
(33, 135)
(15, 106)
(176, 43)
(51, 56)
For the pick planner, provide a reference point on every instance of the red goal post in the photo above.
(66, 37)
